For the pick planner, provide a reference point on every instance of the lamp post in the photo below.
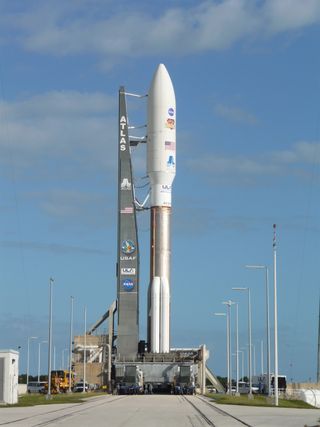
(85, 350)
(64, 360)
(109, 366)
(39, 358)
(51, 280)
(265, 267)
(229, 303)
(70, 350)
(244, 349)
(261, 355)
(249, 333)
(237, 348)
(276, 392)
(54, 357)
(228, 365)
(28, 356)
(242, 364)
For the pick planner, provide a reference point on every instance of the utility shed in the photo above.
(9, 372)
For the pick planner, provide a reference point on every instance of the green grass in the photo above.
(40, 399)
(257, 401)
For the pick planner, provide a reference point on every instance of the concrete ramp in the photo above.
(214, 381)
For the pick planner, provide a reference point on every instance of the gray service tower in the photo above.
(128, 249)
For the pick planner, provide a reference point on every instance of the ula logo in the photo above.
(128, 271)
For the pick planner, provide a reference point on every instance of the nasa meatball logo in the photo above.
(128, 285)
(171, 112)
(128, 247)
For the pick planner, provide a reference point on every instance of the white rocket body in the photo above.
(161, 169)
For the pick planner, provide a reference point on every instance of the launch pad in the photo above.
(127, 364)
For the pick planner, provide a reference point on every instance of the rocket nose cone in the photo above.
(161, 80)
(161, 72)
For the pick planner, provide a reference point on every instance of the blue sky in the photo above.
(246, 76)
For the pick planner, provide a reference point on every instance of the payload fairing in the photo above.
(161, 169)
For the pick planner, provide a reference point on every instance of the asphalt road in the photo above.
(155, 411)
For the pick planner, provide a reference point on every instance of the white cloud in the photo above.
(76, 207)
(69, 127)
(302, 152)
(116, 32)
(286, 15)
(293, 161)
(234, 165)
(235, 114)
(55, 248)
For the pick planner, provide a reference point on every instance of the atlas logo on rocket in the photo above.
(171, 163)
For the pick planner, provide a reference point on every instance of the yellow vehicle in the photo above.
(60, 381)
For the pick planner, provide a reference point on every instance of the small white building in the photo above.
(9, 373)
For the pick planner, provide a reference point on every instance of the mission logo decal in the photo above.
(128, 285)
(170, 123)
(128, 247)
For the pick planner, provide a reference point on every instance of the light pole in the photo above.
(276, 392)
(261, 355)
(39, 358)
(237, 348)
(265, 267)
(64, 361)
(51, 280)
(249, 333)
(85, 350)
(109, 366)
(242, 364)
(228, 366)
(28, 356)
(244, 349)
(70, 351)
(54, 357)
(229, 303)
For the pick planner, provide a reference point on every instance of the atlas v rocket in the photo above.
(161, 169)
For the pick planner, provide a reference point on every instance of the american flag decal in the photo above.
(170, 145)
(127, 210)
